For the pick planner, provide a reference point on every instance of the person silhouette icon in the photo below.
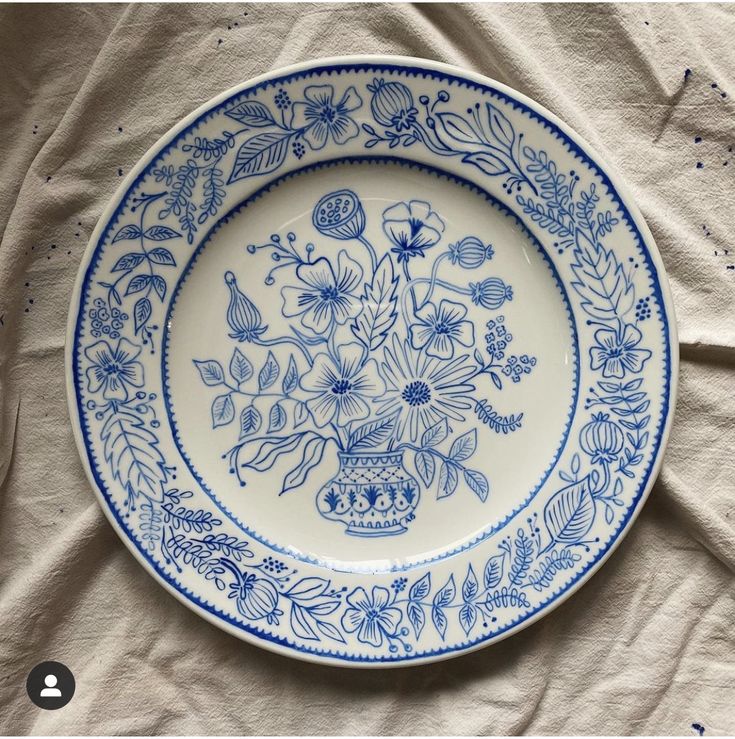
(50, 691)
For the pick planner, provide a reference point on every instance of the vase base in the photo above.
(367, 531)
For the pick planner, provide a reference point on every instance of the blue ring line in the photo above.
(343, 566)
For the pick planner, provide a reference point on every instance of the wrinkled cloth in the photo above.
(646, 647)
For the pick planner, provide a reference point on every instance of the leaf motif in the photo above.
(128, 261)
(313, 453)
(159, 255)
(448, 479)
(260, 154)
(210, 371)
(132, 453)
(458, 128)
(272, 448)
(127, 233)
(161, 233)
(223, 410)
(493, 571)
(569, 513)
(467, 617)
(141, 313)
(425, 466)
(379, 306)
(269, 373)
(276, 418)
(469, 586)
(445, 595)
(300, 414)
(372, 433)
(240, 367)
(464, 446)
(301, 622)
(435, 434)
(138, 283)
(330, 630)
(291, 378)
(416, 617)
(251, 113)
(439, 620)
(307, 589)
(159, 285)
(250, 420)
(486, 162)
(477, 483)
(500, 126)
(420, 589)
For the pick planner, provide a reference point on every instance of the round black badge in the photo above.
(50, 685)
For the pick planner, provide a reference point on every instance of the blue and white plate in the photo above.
(371, 361)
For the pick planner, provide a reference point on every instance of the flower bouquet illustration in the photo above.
(378, 367)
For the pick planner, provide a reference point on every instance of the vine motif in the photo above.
(613, 440)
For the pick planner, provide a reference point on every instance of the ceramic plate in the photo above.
(371, 361)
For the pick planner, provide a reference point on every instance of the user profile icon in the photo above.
(50, 685)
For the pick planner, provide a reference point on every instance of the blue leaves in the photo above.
(435, 434)
(276, 418)
(420, 589)
(223, 410)
(128, 261)
(127, 233)
(499, 424)
(210, 371)
(312, 456)
(291, 378)
(250, 421)
(379, 306)
(478, 483)
(240, 367)
(493, 573)
(251, 113)
(261, 154)
(162, 256)
(522, 559)
(269, 372)
(141, 313)
(464, 446)
(448, 479)
(570, 513)
(486, 162)
(469, 586)
(458, 128)
(372, 433)
(137, 284)
(500, 126)
(425, 466)
(310, 599)
(161, 233)
(443, 598)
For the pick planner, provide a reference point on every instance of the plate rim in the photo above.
(625, 196)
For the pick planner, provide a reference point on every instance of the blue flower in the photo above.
(325, 297)
(371, 616)
(423, 390)
(616, 351)
(411, 228)
(113, 369)
(438, 328)
(319, 117)
(342, 386)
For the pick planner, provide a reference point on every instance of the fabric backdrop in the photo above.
(648, 646)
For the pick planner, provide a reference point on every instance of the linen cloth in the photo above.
(646, 647)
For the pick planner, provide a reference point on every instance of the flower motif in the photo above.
(371, 616)
(256, 598)
(319, 117)
(113, 370)
(422, 390)
(438, 328)
(340, 215)
(242, 316)
(411, 228)
(616, 351)
(324, 298)
(342, 386)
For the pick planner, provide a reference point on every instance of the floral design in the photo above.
(320, 118)
(533, 561)
(342, 386)
(324, 298)
(371, 616)
(412, 228)
(422, 390)
(113, 370)
(616, 352)
(439, 327)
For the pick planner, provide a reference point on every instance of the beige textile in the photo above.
(647, 647)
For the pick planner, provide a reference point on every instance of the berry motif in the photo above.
(106, 321)
(399, 585)
(643, 309)
(273, 565)
(282, 99)
(298, 149)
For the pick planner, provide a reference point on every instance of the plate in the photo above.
(371, 361)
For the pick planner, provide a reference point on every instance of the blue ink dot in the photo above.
(700, 165)
(697, 139)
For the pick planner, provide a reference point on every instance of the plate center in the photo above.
(370, 363)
